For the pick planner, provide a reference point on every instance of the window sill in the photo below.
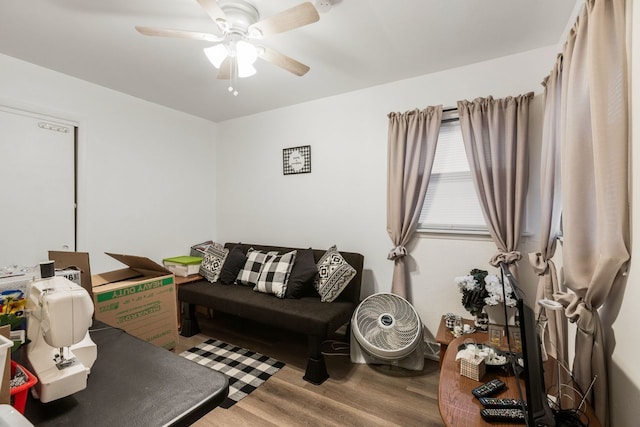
(442, 233)
(453, 233)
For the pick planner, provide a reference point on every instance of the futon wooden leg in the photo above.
(316, 371)
(190, 325)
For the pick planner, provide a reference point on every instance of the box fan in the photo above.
(385, 329)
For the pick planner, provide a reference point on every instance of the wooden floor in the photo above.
(355, 395)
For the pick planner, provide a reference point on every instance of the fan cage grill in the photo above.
(373, 332)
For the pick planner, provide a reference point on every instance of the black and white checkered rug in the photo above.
(245, 369)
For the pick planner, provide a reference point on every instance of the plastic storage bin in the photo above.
(183, 266)
(19, 394)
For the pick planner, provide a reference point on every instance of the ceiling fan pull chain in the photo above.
(234, 75)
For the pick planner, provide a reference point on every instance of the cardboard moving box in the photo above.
(140, 299)
(64, 260)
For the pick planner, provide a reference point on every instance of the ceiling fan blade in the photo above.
(283, 61)
(224, 73)
(215, 12)
(181, 34)
(295, 17)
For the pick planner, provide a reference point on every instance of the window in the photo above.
(451, 203)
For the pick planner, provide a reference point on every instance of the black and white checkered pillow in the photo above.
(275, 274)
(252, 267)
(334, 275)
(213, 261)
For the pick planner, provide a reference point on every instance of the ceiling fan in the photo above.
(235, 49)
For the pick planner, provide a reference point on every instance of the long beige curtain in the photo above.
(495, 135)
(413, 136)
(595, 173)
(551, 210)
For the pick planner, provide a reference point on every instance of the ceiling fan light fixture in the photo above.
(216, 54)
(246, 53)
(245, 70)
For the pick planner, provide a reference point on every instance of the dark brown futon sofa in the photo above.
(305, 315)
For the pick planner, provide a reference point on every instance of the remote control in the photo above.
(501, 402)
(488, 389)
(504, 415)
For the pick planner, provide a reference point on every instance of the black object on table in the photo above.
(133, 383)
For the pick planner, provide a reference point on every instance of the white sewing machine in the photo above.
(60, 351)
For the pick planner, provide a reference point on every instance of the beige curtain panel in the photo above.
(411, 149)
(495, 135)
(551, 210)
(595, 174)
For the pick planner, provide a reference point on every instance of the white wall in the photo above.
(343, 199)
(142, 167)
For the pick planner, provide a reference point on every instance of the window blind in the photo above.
(451, 203)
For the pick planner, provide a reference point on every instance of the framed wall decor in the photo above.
(516, 339)
(495, 334)
(296, 160)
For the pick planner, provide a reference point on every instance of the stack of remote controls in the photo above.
(498, 409)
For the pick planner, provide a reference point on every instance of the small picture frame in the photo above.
(296, 160)
(515, 338)
(495, 333)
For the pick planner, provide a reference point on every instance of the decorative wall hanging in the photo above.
(296, 160)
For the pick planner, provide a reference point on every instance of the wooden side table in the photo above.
(459, 408)
(182, 281)
(444, 336)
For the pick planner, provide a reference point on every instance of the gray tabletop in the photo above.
(133, 383)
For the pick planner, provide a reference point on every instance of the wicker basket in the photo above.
(474, 368)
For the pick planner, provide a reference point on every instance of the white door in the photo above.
(37, 187)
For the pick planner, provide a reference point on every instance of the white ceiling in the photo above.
(357, 44)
